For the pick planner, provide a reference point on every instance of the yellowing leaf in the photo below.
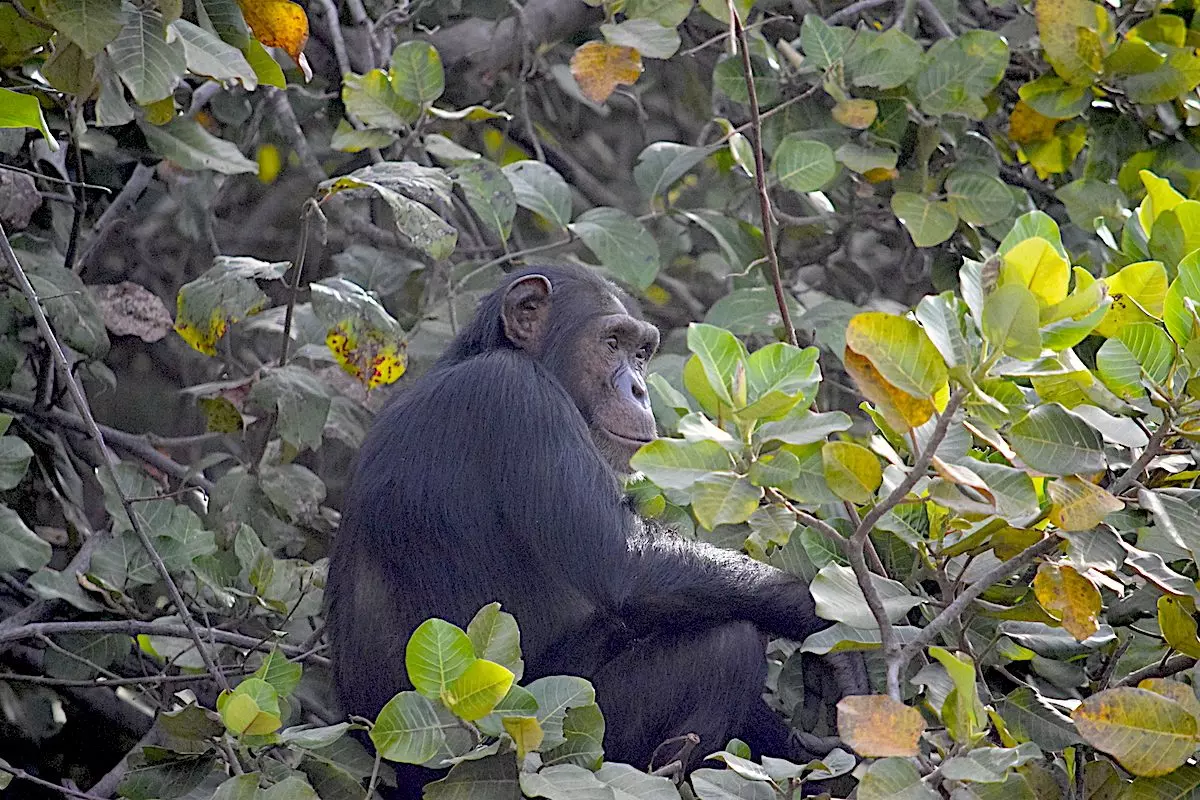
(1069, 597)
(373, 363)
(526, 733)
(901, 410)
(1160, 197)
(852, 472)
(1079, 505)
(1027, 126)
(1177, 621)
(1036, 265)
(877, 726)
(599, 68)
(1075, 35)
(476, 692)
(278, 23)
(1055, 155)
(1148, 733)
(857, 114)
(1138, 291)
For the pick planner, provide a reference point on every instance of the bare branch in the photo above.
(1151, 450)
(1159, 669)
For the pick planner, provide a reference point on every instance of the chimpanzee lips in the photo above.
(632, 441)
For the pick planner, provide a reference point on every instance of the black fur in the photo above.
(480, 483)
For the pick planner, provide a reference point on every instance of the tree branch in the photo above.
(1152, 449)
(1159, 669)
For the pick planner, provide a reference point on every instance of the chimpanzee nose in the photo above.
(630, 384)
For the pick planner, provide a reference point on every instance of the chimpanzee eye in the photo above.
(643, 354)
(612, 343)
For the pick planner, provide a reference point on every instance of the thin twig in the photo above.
(310, 207)
(120, 680)
(1159, 669)
(137, 183)
(106, 455)
(335, 35)
(52, 179)
(760, 177)
(1149, 453)
(63, 790)
(930, 11)
(854, 9)
(513, 256)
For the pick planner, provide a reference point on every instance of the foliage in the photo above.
(983, 461)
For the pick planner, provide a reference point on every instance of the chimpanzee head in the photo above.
(585, 331)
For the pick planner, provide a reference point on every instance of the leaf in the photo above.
(416, 73)
(892, 58)
(437, 654)
(900, 350)
(14, 461)
(526, 734)
(857, 114)
(1028, 715)
(371, 99)
(839, 597)
(1074, 35)
(489, 194)
(665, 12)
(713, 784)
(277, 23)
(878, 726)
(301, 401)
(803, 165)
(539, 188)
(1079, 505)
(1050, 96)
(148, 64)
(676, 464)
(475, 692)
(91, 24)
(221, 296)
(1035, 265)
(414, 220)
(366, 341)
(599, 68)
(1053, 441)
(225, 18)
(1069, 597)
(188, 145)
(650, 38)
(1177, 622)
(661, 164)
(804, 428)
(625, 248)
(852, 471)
(19, 110)
(1147, 733)
(207, 55)
(555, 696)
(893, 779)
(929, 223)
(823, 45)
(20, 548)
(724, 498)
(1183, 295)
(408, 729)
(979, 198)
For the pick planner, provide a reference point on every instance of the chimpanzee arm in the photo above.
(673, 582)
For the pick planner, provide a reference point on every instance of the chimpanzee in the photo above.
(495, 477)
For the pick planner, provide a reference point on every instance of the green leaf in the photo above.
(1010, 322)
(91, 24)
(864, 159)
(209, 56)
(665, 12)
(803, 428)
(900, 350)
(676, 464)
(1054, 441)
(648, 37)
(416, 72)
(495, 636)
(475, 692)
(184, 142)
(724, 498)
(556, 695)
(283, 675)
(489, 194)
(20, 548)
(408, 730)
(1033, 225)
(437, 654)
(539, 188)
(23, 111)
(1178, 75)
(225, 18)
(625, 248)
(894, 779)
(1176, 518)
(583, 729)
(373, 101)
(414, 220)
(225, 294)
(803, 165)
(1178, 785)
(778, 377)
(661, 164)
(745, 312)
(1029, 716)
(851, 470)
(1183, 296)
(148, 64)
(721, 354)
(301, 401)
(840, 598)
(823, 45)
(1148, 733)
(492, 778)
(979, 198)
(14, 461)
(941, 316)
(1053, 97)
(265, 67)
(928, 222)
(892, 58)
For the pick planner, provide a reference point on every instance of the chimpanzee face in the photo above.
(610, 385)
(599, 352)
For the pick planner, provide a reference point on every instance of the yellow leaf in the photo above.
(877, 726)
(1027, 126)
(599, 68)
(1079, 505)
(1177, 621)
(203, 339)
(269, 162)
(1068, 597)
(1160, 197)
(160, 112)
(526, 733)
(1036, 265)
(857, 114)
(374, 362)
(1055, 155)
(277, 23)
(1149, 733)
(881, 174)
(1138, 291)
(901, 410)
(852, 472)
(1075, 35)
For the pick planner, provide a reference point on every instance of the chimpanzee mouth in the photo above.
(628, 441)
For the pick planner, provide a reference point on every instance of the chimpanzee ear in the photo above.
(526, 309)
